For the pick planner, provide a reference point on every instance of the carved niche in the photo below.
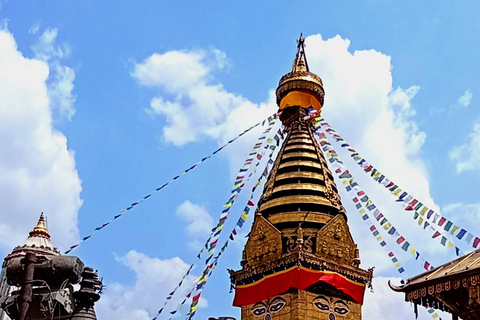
(335, 242)
(264, 242)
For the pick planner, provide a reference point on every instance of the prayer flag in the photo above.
(442, 221)
(476, 242)
(461, 233)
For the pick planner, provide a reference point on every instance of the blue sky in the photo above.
(105, 102)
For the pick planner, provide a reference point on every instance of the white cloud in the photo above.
(466, 98)
(60, 80)
(154, 280)
(37, 169)
(34, 29)
(193, 106)
(467, 156)
(200, 222)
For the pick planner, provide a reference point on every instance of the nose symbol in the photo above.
(331, 316)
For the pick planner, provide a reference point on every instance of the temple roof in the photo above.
(38, 242)
(461, 267)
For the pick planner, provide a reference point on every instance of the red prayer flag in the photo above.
(250, 203)
(476, 242)
(411, 204)
(441, 221)
(400, 240)
(436, 234)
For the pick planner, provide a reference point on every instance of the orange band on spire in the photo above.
(302, 98)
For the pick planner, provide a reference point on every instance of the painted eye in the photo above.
(321, 306)
(340, 310)
(277, 306)
(259, 311)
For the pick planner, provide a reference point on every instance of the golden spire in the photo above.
(41, 229)
(300, 83)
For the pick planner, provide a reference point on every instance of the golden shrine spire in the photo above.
(300, 86)
(300, 261)
(41, 229)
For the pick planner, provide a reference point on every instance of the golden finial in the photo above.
(300, 79)
(41, 229)
(300, 62)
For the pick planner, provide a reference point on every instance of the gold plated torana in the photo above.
(300, 261)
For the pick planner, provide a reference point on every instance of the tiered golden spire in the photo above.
(41, 229)
(300, 239)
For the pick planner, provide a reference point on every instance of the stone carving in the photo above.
(264, 242)
(335, 242)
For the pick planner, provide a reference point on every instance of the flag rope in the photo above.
(237, 188)
(363, 203)
(201, 282)
(134, 204)
(427, 217)
(344, 176)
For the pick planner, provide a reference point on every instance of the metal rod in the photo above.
(26, 289)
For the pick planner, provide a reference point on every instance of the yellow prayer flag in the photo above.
(227, 205)
(269, 141)
(455, 228)
(377, 175)
(413, 251)
(397, 191)
(244, 216)
(379, 238)
(182, 174)
(192, 309)
(345, 182)
(220, 227)
(398, 264)
(123, 211)
(420, 221)
(362, 211)
(450, 245)
(387, 226)
(424, 210)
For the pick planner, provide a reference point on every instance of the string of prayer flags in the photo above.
(350, 184)
(243, 217)
(237, 188)
(428, 218)
(271, 121)
(365, 205)
(212, 241)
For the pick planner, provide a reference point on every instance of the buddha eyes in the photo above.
(277, 306)
(338, 307)
(259, 311)
(321, 306)
(340, 310)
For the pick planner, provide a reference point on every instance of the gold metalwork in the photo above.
(300, 163)
(41, 229)
(299, 216)
(293, 199)
(299, 186)
(300, 78)
(299, 174)
(299, 154)
(296, 147)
